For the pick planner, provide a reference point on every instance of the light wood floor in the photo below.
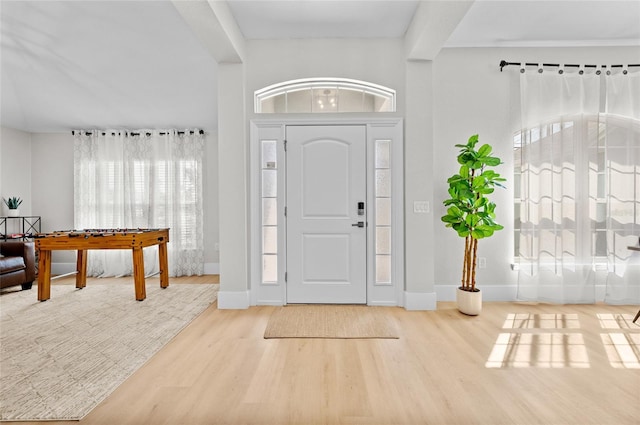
(220, 370)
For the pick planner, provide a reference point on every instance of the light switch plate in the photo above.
(421, 207)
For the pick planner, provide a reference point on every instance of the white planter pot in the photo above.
(469, 303)
(14, 213)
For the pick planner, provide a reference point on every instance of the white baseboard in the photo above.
(489, 292)
(420, 300)
(236, 300)
(499, 292)
(62, 268)
(382, 304)
(274, 303)
(211, 268)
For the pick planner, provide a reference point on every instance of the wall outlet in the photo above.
(482, 262)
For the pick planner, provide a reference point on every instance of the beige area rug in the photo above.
(61, 358)
(331, 321)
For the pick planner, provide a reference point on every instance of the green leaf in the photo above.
(485, 190)
(464, 172)
(479, 203)
(454, 211)
(491, 161)
(466, 157)
(472, 220)
(455, 178)
(484, 150)
(463, 233)
(479, 182)
(450, 219)
(477, 234)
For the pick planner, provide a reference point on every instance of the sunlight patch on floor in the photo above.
(623, 349)
(534, 341)
(546, 350)
(541, 321)
(615, 321)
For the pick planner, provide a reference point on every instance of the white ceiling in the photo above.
(323, 19)
(138, 64)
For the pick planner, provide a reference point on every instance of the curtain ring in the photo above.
(540, 70)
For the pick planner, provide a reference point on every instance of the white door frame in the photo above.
(274, 293)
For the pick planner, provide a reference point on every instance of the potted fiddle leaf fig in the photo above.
(471, 214)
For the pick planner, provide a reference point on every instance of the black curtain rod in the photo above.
(89, 133)
(504, 63)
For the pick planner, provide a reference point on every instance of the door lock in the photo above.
(360, 208)
(358, 224)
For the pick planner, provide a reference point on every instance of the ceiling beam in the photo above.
(215, 26)
(432, 24)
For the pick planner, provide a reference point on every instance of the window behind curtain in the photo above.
(147, 179)
(611, 174)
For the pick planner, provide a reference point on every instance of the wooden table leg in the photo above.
(138, 274)
(44, 275)
(164, 265)
(81, 269)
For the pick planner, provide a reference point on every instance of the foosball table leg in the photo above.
(164, 265)
(81, 269)
(138, 274)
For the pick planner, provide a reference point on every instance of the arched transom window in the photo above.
(318, 95)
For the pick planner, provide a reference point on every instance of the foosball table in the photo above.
(83, 240)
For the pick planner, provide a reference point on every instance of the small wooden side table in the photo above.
(635, 248)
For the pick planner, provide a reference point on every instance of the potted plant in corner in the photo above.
(13, 203)
(471, 214)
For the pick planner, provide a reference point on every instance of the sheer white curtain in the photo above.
(142, 179)
(622, 145)
(580, 186)
(560, 130)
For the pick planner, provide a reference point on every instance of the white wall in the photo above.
(44, 162)
(379, 61)
(233, 187)
(462, 92)
(52, 189)
(210, 193)
(15, 165)
(472, 96)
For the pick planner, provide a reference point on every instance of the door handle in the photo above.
(358, 224)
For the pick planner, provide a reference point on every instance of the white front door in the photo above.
(326, 229)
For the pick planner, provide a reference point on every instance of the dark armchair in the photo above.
(17, 264)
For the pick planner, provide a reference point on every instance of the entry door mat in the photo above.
(331, 321)
(60, 358)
